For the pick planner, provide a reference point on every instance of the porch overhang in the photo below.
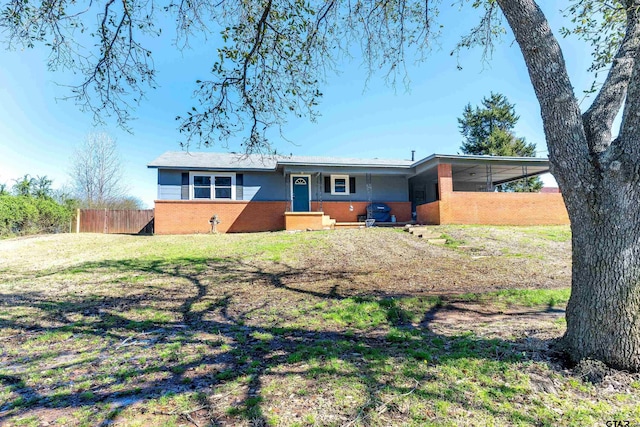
(346, 170)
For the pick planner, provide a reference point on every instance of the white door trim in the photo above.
(309, 186)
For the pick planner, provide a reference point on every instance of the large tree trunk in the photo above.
(603, 314)
(600, 183)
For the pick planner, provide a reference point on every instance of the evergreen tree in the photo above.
(488, 130)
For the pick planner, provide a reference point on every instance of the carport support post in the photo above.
(445, 180)
(445, 188)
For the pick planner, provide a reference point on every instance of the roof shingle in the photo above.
(203, 160)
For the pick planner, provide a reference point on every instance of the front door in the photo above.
(300, 192)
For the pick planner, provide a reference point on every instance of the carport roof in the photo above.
(479, 169)
(457, 158)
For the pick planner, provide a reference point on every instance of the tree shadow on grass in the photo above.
(194, 329)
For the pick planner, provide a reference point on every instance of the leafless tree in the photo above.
(96, 172)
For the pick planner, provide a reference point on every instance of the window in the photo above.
(213, 186)
(223, 187)
(328, 184)
(340, 184)
(201, 187)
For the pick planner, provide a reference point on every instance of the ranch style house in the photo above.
(245, 193)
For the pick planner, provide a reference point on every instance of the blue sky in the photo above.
(359, 118)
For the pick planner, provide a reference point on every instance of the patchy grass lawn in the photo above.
(352, 327)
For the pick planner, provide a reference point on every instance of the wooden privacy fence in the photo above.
(111, 221)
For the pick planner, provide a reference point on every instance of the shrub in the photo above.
(29, 215)
(52, 217)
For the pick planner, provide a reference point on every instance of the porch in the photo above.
(344, 197)
(342, 215)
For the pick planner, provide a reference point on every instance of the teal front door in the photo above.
(300, 193)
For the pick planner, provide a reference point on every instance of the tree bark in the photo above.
(603, 314)
(600, 183)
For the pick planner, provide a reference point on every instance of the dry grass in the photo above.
(353, 327)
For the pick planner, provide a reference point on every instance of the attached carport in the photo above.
(449, 189)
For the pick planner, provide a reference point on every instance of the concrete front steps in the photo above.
(328, 223)
(427, 233)
(301, 221)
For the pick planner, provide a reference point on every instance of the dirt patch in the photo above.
(455, 315)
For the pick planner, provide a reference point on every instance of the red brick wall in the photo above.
(503, 209)
(445, 180)
(341, 213)
(189, 216)
(429, 213)
(192, 216)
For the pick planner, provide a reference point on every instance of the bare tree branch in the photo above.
(116, 74)
(484, 34)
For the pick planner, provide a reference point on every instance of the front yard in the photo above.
(351, 327)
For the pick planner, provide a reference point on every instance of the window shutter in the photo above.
(327, 184)
(239, 185)
(352, 184)
(184, 190)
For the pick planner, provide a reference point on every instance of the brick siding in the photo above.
(192, 216)
(428, 213)
(495, 209)
(341, 213)
(188, 216)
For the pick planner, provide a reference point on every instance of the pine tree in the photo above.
(488, 130)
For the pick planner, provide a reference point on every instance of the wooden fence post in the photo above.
(78, 220)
